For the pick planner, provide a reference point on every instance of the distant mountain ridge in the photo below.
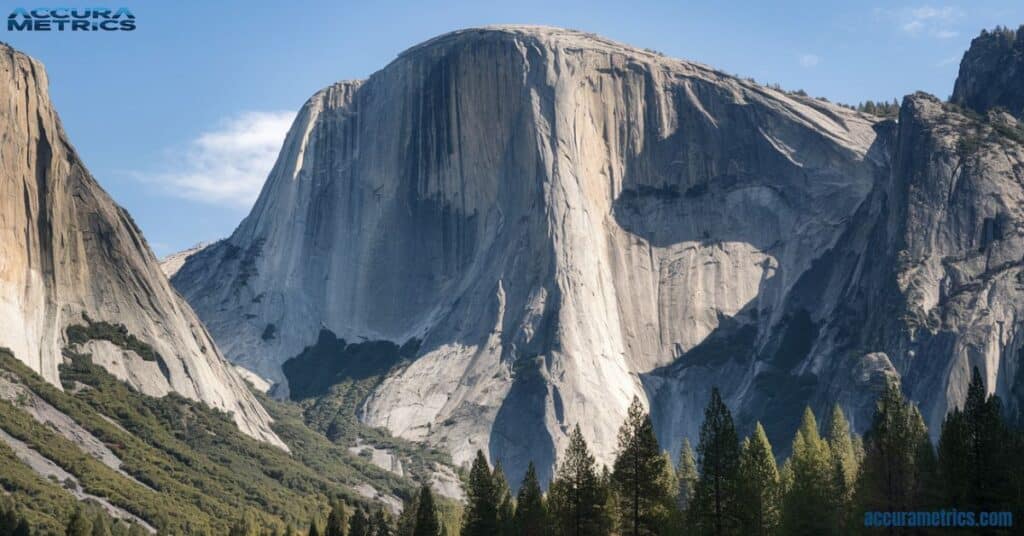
(173, 262)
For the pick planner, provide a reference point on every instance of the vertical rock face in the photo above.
(562, 223)
(992, 72)
(556, 217)
(69, 256)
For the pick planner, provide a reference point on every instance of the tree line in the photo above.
(729, 486)
(726, 486)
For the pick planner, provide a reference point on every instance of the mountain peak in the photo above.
(472, 196)
(992, 72)
(546, 36)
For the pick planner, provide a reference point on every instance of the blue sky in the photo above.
(181, 119)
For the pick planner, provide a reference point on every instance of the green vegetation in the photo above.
(530, 518)
(887, 110)
(715, 508)
(578, 499)
(642, 478)
(116, 334)
(189, 469)
(331, 379)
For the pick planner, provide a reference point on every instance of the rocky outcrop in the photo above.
(992, 73)
(76, 272)
(555, 216)
(922, 286)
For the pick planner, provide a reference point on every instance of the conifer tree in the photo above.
(892, 472)
(503, 495)
(974, 455)
(608, 516)
(844, 455)
(686, 476)
(759, 491)
(638, 475)
(577, 500)
(845, 465)
(427, 523)
(359, 524)
(714, 508)
(481, 515)
(807, 503)
(337, 520)
(954, 458)
(668, 508)
(531, 515)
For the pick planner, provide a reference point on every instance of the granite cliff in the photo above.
(552, 223)
(76, 275)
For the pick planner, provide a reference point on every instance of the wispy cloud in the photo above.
(809, 60)
(933, 21)
(227, 164)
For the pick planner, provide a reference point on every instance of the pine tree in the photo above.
(80, 524)
(481, 515)
(845, 465)
(531, 515)
(337, 520)
(427, 523)
(892, 472)
(637, 475)
(503, 495)
(954, 459)
(686, 475)
(807, 503)
(714, 508)
(576, 499)
(608, 517)
(975, 464)
(759, 489)
(359, 524)
(667, 508)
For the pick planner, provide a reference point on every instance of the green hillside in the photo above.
(187, 469)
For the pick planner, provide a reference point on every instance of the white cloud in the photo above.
(933, 21)
(226, 165)
(914, 26)
(809, 60)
